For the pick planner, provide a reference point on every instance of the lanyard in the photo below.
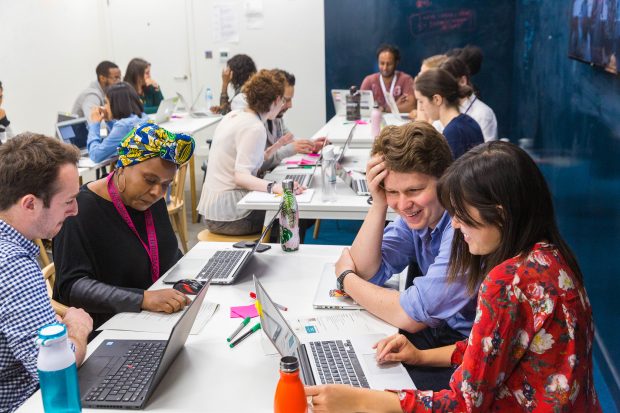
(470, 104)
(391, 87)
(152, 250)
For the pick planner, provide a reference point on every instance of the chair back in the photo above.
(177, 189)
(49, 274)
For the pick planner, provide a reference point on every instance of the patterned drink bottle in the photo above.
(289, 218)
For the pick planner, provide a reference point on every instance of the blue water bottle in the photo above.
(57, 371)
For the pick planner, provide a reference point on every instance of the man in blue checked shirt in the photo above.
(38, 185)
(406, 163)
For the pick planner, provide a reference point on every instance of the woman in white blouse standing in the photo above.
(236, 154)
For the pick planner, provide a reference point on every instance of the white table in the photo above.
(348, 204)
(183, 123)
(338, 128)
(207, 375)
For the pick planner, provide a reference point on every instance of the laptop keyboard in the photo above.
(360, 186)
(129, 377)
(220, 265)
(337, 363)
(299, 178)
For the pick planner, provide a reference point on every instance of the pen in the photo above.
(247, 333)
(300, 167)
(234, 333)
(280, 306)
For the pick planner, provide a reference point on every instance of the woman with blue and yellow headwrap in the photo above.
(121, 241)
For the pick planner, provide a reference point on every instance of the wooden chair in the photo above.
(43, 256)
(176, 206)
(49, 274)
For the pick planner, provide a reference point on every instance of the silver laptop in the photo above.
(223, 267)
(303, 176)
(123, 374)
(192, 110)
(329, 296)
(339, 98)
(342, 360)
(75, 132)
(165, 110)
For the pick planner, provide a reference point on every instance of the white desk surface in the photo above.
(207, 375)
(338, 128)
(184, 123)
(348, 205)
(87, 166)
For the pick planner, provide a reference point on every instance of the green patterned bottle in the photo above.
(289, 218)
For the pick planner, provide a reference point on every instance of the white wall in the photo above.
(51, 48)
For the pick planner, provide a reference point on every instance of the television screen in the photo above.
(595, 33)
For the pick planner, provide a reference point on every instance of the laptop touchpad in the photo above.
(373, 368)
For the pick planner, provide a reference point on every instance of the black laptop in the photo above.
(122, 374)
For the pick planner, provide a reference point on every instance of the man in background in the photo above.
(390, 81)
(108, 74)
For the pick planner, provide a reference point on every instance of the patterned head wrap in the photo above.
(148, 140)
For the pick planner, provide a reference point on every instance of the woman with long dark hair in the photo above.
(439, 94)
(122, 111)
(530, 348)
(138, 74)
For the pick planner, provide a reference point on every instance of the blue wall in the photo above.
(420, 28)
(572, 111)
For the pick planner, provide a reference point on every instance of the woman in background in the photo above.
(138, 74)
(238, 70)
(4, 121)
(530, 347)
(122, 112)
(236, 154)
(439, 94)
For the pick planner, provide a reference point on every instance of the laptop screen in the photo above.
(74, 132)
(274, 325)
(346, 144)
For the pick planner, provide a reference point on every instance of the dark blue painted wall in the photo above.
(572, 111)
(420, 28)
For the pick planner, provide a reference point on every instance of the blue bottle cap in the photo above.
(51, 333)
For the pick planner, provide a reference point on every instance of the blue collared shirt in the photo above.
(100, 149)
(24, 308)
(431, 299)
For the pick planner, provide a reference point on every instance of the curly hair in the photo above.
(242, 67)
(413, 147)
(262, 90)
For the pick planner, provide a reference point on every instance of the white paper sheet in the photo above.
(254, 14)
(350, 323)
(151, 322)
(264, 197)
(225, 24)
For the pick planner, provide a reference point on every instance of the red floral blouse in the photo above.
(530, 348)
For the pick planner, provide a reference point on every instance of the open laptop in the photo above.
(339, 98)
(75, 132)
(192, 110)
(165, 110)
(224, 266)
(394, 118)
(331, 359)
(356, 181)
(122, 374)
(327, 293)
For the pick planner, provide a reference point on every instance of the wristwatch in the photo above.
(270, 187)
(340, 279)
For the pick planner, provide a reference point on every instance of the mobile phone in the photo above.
(250, 244)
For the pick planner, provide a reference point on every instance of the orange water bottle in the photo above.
(290, 396)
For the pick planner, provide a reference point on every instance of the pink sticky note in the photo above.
(307, 162)
(361, 122)
(313, 154)
(243, 311)
(292, 162)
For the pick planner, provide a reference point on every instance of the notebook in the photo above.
(327, 294)
(122, 374)
(341, 360)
